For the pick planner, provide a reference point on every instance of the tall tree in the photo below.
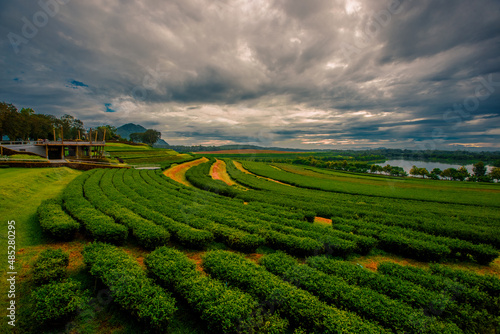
(26, 122)
(387, 169)
(41, 126)
(151, 136)
(435, 173)
(9, 120)
(495, 173)
(423, 171)
(462, 173)
(479, 169)
(136, 137)
(110, 132)
(415, 170)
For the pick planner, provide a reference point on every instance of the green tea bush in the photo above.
(224, 309)
(487, 283)
(129, 285)
(55, 222)
(183, 233)
(50, 266)
(100, 226)
(147, 233)
(299, 306)
(390, 313)
(55, 301)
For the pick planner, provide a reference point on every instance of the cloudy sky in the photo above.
(288, 73)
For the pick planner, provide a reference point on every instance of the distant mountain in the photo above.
(127, 129)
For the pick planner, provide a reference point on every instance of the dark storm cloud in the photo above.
(271, 72)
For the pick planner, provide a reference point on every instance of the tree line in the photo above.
(479, 173)
(479, 169)
(26, 124)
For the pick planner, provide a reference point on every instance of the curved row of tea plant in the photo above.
(464, 294)
(129, 285)
(411, 243)
(433, 220)
(267, 225)
(167, 206)
(100, 226)
(393, 314)
(437, 303)
(295, 241)
(298, 306)
(420, 245)
(183, 233)
(367, 206)
(224, 309)
(199, 176)
(147, 233)
(225, 217)
(55, 222)
(487, 283)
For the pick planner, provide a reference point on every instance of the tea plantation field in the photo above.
(133, 251)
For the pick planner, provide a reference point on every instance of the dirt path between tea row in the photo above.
(178, 173)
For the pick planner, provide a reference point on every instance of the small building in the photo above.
(56, 150)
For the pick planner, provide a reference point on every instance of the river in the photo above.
(408, 164)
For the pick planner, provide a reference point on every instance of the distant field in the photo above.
(247, 151)
(375, 185)
(144, 154)
(112, 147)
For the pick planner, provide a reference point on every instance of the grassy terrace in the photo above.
(142, 154)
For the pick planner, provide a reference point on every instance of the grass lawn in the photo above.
(21, 192)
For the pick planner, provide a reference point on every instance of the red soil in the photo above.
(218, 172)
(196, 257)
(322, 220)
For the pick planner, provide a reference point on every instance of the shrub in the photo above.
(419, 249)
(487, 283)
(225, 309)
(55, 222)
(392, 314)
(147, 233)
(129, 284)
(100, 226)
(299, 306)
(56, 301)
(50, 266)
(183, 233)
